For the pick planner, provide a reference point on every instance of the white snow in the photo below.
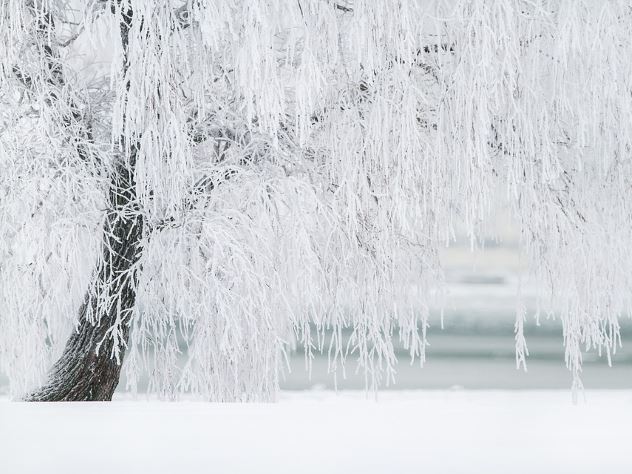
(321, 432)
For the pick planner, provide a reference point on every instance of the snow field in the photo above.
(322, 432)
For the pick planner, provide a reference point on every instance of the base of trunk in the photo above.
(83, 373)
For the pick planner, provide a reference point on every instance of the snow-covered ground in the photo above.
(321, 432)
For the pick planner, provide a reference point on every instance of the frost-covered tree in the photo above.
(244, 176)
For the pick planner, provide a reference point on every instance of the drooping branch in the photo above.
(74, 125)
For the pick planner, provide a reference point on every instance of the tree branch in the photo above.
(71, 117)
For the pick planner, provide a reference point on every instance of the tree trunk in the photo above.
(87, 369)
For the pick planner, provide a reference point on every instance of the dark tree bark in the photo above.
(87, 369)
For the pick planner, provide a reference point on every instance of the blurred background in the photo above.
(476, 347)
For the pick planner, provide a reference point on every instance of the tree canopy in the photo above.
(295, 167)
